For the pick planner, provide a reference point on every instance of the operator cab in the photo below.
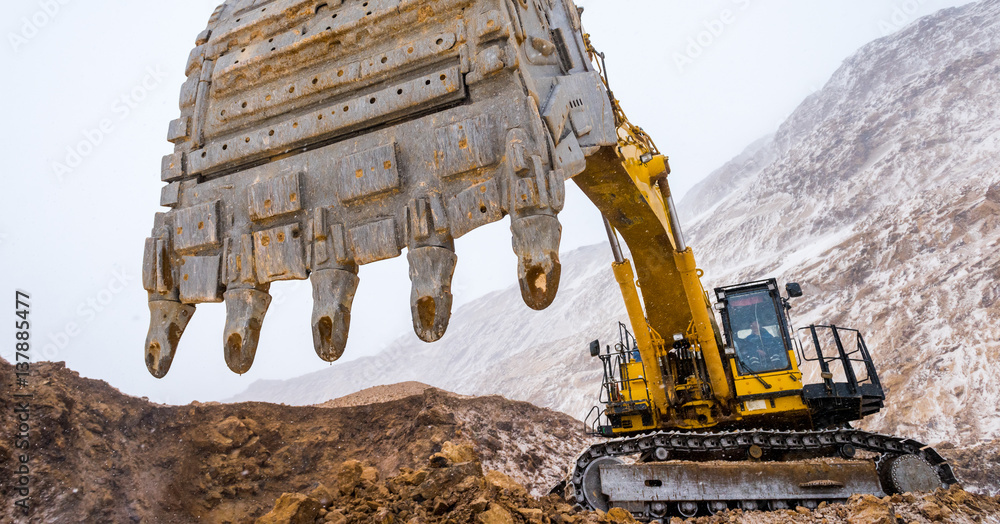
(759, 351)
(762, 359)
(755, 327)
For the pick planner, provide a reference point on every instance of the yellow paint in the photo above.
(789, 380)
(643, 336)
(791, 405)
(631, 193)
(634, 387)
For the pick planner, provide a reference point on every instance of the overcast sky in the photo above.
(91, 86)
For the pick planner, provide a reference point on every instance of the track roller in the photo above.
(687, 509)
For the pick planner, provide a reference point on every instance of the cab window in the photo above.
(756, 333)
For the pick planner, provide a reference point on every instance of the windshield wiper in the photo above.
(747, 369)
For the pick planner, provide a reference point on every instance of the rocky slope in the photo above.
(880, 194)
(97, 455)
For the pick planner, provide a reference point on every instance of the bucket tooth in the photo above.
(333, 294)
(431, 270)
(536, 244)
(245, 309)
(167, 321)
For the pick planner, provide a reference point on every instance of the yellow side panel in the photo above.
(751, 408)
(788, 380)
(635, 388)
(631, 424)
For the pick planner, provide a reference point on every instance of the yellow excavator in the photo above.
(316, 136)
(716, 415)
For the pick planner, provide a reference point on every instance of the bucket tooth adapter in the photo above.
(431, 269)
(536, 242)
(333, 294)
(167, 320)
(245, 310)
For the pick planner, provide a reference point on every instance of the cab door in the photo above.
(759, 349)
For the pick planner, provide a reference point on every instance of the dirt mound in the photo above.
(977, 466)
(100, 456)
(377, 395)
(953, 505)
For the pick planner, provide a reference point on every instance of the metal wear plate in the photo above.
(369, 173)
(197, 227)
(692, 481)
(422, 93)
(274, 197)
(273, 94)
(278, 254)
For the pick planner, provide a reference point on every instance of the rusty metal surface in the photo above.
(786, 482)
(738, 481)
(319, 135)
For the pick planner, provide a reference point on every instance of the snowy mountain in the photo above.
(880, 194)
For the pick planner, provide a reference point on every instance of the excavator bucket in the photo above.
(316, 136)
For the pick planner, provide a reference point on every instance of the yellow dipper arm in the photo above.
(660, 387)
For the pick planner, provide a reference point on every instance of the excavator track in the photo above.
(902, 465)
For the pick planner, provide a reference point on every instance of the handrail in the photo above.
(591, 428)
(852, 379)
(617, 378)
(845, 356)
(872, 373)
